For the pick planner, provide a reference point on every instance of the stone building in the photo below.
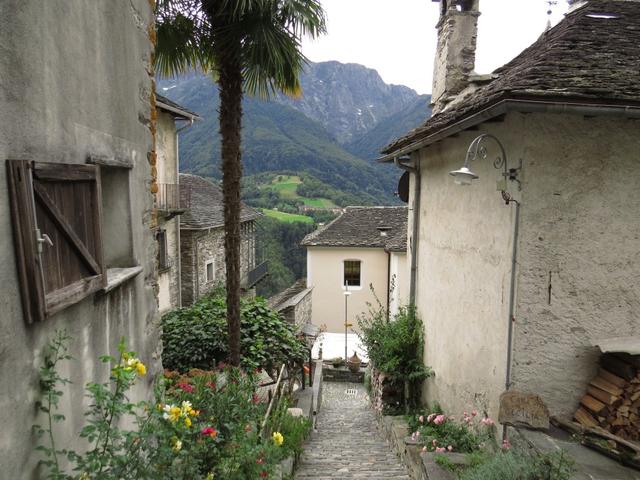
(76, 206)
(517, 281)
(172, 200)
(364, 248)
(202, 242)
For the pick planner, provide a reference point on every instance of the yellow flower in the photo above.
(141, 369)
(209, 476)
(176, 445)
(187, 422)
(278, 438)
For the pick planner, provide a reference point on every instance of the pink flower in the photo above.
(474, 413)
(505, 444)
(487, 421)
(434, 442)
(431, 417)
(439, 419)
(421, 418)
(415, 436)
(450, 448)
(440, 449)
(424, 449)
(255, 398)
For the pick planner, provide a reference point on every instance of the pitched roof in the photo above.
(592, 55)
(363, 227)
(206, 209)
(175, 109)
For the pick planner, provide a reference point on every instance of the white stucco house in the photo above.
(519, 272)
(171, 199)
(362, 249)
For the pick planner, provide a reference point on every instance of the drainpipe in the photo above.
(415, 170)
(388, 283)
(512, 295)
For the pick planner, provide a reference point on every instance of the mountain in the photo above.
(368, 146)
(347, 99)
(345, 103)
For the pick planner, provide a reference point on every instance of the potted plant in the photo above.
(337, 362)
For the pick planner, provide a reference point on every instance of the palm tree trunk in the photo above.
(230, 116)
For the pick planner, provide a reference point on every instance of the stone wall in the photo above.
(71, 89)
(198, 247)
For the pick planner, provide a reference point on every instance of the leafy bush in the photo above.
(395, 347)
(203, 425)
(196, 336)
(519, 466)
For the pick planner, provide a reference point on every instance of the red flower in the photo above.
(210, 432)
(264, 474)
(186, 387)
(260, 461)
(211, 385)
(255, 398)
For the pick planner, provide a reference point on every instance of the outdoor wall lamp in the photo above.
(464, 175)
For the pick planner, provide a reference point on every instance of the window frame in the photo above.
(164, 260)
(350, 286)
(211, 263)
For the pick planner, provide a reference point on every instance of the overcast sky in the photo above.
(398, 37)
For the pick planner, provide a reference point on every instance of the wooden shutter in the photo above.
(57, 217)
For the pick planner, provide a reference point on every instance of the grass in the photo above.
(287, 188)
(287, 217)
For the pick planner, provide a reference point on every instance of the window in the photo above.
(210, 271)
(352, 273)
(56, 212)
(163, 253)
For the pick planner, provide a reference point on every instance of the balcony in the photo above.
(254, 276)
(173, 199)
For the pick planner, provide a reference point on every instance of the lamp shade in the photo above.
(463, 176)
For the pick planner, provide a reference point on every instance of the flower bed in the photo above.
(202, 425)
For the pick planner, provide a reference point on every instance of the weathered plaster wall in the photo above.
(579, 235)
(579, 262)
(167, 167)
(399, 283)
(168, 284)
(72, 88)
(325, 276)
(464, 248)
(166, 147)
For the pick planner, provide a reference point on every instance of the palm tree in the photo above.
(247, 45)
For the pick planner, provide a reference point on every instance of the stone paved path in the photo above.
(347, 444)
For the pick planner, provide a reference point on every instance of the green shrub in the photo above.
(519, 466)
(441, 433)
(203, 425)
(395, 348)
(196, 336)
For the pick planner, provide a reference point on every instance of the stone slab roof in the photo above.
(362, 227)
(206, 209)
(592, 55)
(175, 109)
(289, 297)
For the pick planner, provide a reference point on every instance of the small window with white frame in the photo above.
(210, 271)
(352, 273)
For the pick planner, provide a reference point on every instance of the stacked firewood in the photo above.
(612, 400)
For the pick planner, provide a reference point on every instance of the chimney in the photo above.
(456, 53)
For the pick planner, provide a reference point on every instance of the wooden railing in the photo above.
(173, 197)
